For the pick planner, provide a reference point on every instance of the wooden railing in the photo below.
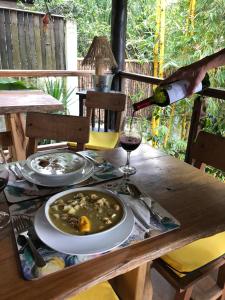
(209, 92)
(197, 108)
(44, 73)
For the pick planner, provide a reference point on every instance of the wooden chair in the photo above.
(6, 143)
(103, 138)
(208, 149)
(56, 127)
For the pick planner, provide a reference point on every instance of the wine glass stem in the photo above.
(128, 158)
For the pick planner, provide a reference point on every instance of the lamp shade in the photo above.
(100, 55)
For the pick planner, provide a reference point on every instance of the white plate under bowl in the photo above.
(65, 158)
(78, 177)
(82, 245)
(84, 189)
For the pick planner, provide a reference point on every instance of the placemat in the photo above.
(17, 191)
(56, 261)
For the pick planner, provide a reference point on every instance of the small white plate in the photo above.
(62, 163)
(82, 245)
(78, 177)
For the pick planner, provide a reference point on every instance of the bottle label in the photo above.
(178, 90)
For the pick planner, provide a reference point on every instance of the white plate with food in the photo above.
(78, 177)
(85, 211)
(84, 241)
(59, 163)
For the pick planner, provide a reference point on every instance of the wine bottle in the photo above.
(168, 94)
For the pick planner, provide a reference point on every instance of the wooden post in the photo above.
(118, 37)
(197, 114)
(71, 64)
(118, 41)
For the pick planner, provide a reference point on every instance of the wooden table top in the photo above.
(196, 199)
(20, 101)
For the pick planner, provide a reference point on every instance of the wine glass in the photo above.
(130, 139)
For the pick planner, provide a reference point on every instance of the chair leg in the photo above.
(221, 281)
(183, 294)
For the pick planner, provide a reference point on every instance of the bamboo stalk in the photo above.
(162, 37)
(170, 125)
(157, 37)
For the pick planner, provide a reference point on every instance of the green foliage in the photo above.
(14, 84)
(93, 18)
(56, 88)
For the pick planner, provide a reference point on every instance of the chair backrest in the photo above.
(209, 149)
(115, 102)
(56, 127)
(6, 142)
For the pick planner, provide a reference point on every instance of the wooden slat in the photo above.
(61, 37)
(56, 34)
(209, 149)
(115, 102)
(31, 39)
(8, 30)
(53, 48)
(57, 127)
(3, 52)
(41, 14)
(37, 37)
(16, 124)
(22, 40)
(48, 47)
(28, 27)
(140, 77)
(43, 49)
(44, 73)
(197, 113)
(15, 38)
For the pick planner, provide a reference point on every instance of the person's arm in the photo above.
(195, 72)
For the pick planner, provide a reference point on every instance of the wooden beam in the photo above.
(118, 37)
(44, 73)
(140, 77)
(210, 92)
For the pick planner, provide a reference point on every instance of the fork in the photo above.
(22, 225)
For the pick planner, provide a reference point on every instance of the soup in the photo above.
(85, 212)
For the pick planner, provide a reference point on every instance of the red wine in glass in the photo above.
(4, 216)
(130, 139)
(129, 143)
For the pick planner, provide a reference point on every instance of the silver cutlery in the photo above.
(22, 225)
(15, 172)
(136, 193)
(95, 162)
(140, 218)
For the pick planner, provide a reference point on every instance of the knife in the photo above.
(140, 218)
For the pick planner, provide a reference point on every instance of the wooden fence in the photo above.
(134, 89)
(25, 44)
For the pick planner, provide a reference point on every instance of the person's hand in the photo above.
(193, 73)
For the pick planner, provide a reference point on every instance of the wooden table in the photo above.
(13, 104)
(196, 199)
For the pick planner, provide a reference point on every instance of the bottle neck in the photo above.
(144, 103)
